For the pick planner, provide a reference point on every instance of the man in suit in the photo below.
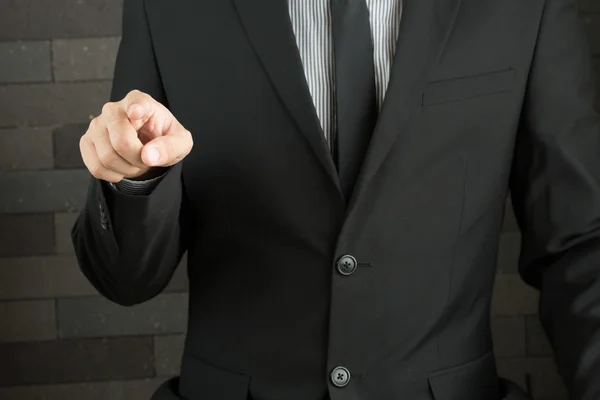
(337, 173)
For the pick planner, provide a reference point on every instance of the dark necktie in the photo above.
(356, 105)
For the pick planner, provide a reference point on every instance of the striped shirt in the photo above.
(311, 21)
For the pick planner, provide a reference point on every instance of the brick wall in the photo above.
(58, 339)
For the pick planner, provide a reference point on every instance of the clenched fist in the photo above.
(131, 137)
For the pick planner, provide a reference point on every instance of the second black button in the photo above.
(346, 265)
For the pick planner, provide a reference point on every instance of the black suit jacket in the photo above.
(485, 97)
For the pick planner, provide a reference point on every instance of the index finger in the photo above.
(135, 106)
(138, 106)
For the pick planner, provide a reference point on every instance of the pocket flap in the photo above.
(468, 87)
(474, 380)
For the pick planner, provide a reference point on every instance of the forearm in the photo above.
(556, 195)
(130, 250)
(570, 313)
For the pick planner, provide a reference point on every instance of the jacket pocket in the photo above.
(474, 380)
(468, 87)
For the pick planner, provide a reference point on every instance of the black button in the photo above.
(340, 377)
(346, 265)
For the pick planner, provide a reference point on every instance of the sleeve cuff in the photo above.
(137, 188)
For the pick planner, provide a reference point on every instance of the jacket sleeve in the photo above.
(129, 246)
(555, 186)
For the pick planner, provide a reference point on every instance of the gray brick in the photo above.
(25, 62)
(96, 316)
(510, 222)
(43, 191)
(76, 361)
(513, 297)
(117, 390)
(51, 104)
(25, 235)
(508, 254)
(25, 149)
(27, 321)
(84, 59)
(167, 353)
(509, 336)
(42, 19)
(542, 372)
(537, 340)
(42, 277)
(55, 276)
(592, 25)
(63, 223)
(66, 145)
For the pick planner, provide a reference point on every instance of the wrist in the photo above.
(151, 173)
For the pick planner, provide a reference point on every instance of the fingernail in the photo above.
(153, 155)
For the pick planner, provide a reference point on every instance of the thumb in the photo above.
(168, 150)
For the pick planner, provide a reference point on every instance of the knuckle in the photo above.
(94, 124)
(83, 141)
(108, 159)
(136, 94)
(190, 142)
(121, 144)
(184, 141)
(107, 108)
(97, 171)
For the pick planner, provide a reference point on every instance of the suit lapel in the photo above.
(268, 27)
(424, 29)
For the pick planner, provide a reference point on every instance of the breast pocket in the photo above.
(468, 87)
